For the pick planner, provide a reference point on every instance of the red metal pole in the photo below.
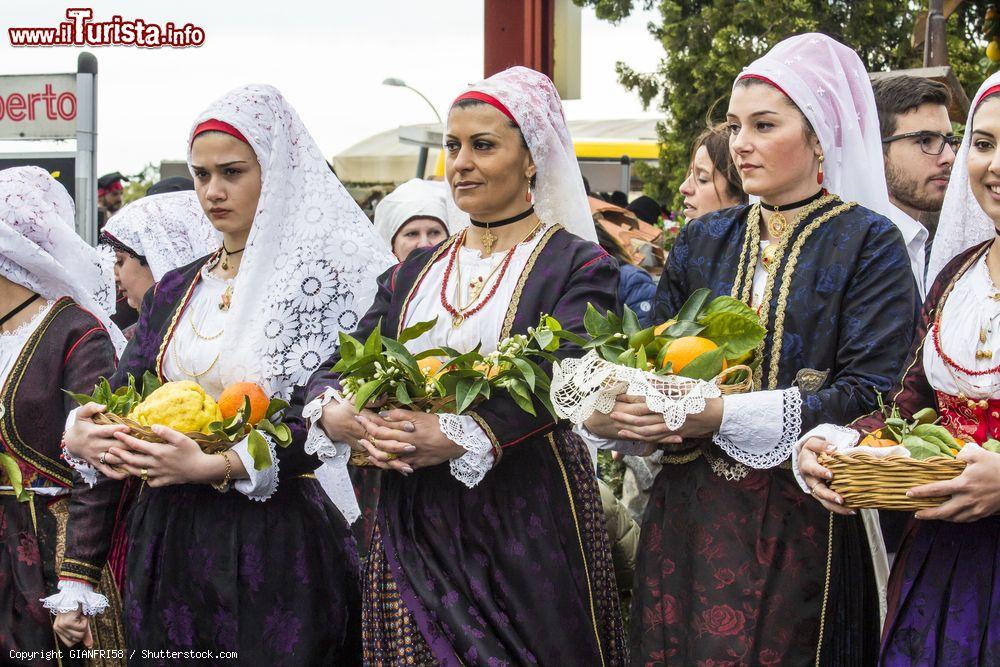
(517, 32)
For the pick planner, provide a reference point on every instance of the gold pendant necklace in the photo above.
(777, 224)
(488, 239)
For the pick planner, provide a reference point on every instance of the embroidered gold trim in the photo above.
(786, 280)
(579, 537)
(60, 510)
(82, 564)
(826, 588)
(732, 472)
(497, 449)
(680, 459)
(748, 257)
(17, 446)
(515, 299)
(765, 306)
(107, 628)
(181, 305)
(420, 276)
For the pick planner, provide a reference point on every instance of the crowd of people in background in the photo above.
(851, 217)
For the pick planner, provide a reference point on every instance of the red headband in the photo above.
(489, 99)
(218, 126)
(114, 187)
(767, 81)
(989, 91)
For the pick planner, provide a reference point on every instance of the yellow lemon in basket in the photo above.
(182, 406)
(683, 351)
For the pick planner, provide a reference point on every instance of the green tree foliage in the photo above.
(139, 183)
(708, 42)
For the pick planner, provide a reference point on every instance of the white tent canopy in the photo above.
(384, 159)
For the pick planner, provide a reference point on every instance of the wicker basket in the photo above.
(210, 443)
(870, 482)
(741, 387)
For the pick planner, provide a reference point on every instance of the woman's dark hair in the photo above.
(118, 246)
(471, 102)
(715, 139)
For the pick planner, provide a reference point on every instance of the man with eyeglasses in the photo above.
(919, 148)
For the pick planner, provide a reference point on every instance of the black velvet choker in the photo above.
(24, 304)
(794, 204)
(506, 221)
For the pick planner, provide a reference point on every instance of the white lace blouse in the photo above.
(192, 354)
(483, 327)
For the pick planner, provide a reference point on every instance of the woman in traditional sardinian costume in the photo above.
(734, 561)
(489, 546)
(56, 293)
(944, 590)
(268, 569)
(153, 235)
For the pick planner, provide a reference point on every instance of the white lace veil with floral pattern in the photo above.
(532, 99)
(168, 230)
(40, 249)
(312, 258)
(962, 223)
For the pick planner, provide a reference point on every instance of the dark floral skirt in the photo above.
(276, 582)
(367, 480)
(944, 595)
(733, 572)
(516, 570)
(32, 536)
(27, 557)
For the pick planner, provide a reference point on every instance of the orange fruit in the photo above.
(683, 351)
(231, 401)
(660, 328)
(430, 366)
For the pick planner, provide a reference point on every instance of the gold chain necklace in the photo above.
(192, 374)
(476, 289)
(201, 335)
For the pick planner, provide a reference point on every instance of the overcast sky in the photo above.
(328, 59)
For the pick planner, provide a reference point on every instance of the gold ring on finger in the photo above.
(144, 475)
(391, 457)
(101, 458)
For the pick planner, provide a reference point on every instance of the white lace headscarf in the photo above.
(168, 230)
(312, 258)
(962, 223)
(40, 249)
(533, 101)
(415, 198)
(829, 84)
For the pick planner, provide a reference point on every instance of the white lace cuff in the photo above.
(87, 472)
(261, 484)
(75, 595)
(332, 474)
(471, 467)
(839, 436)
(759, 428)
